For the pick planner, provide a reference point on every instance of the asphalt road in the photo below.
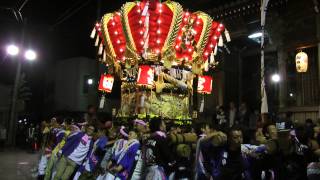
(17, 164)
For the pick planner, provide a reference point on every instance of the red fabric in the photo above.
(205, 84)
(106, 83)
(158, 12)
(117, 36)
(145, 75)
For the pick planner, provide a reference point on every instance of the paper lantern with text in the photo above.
(205, 84)
(145, 75)
(106, 83)
(302, 62)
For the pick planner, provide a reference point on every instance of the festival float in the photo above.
(158, 50)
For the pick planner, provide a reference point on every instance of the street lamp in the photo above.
(255, 35)
(90, 81)
(12, 50)
(30, 55)
(275, 78)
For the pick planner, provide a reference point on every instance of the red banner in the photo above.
(205, 84)
(106, 83)
(145, 75)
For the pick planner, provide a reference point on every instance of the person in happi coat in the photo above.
(95, 155)
(142, 131)
(122, 164)
(74, 152)
(158, 157)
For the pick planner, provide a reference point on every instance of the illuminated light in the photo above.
(158, 41)
(275, 78)
(138, 11)
(121, 50)
(160, 10)
(187, 58)
(113, 23)
(183, 29)
(198, 22)
(90, 81)
(177, 47)
(221, 25)
(12, 50)
(179, 37)
(97, 25)
(190, 49)
(160, 5)
(291, 94)
(123, 58)
(157, 51)
(159, 21)
(138, 4)
(99, 29)
(142, 43)
(30, 55)
(140, 21)
(211, 45)
(118, 13)
(185, 19)
(141, 32)
(218, 29)
(206, 53)
(215, 37)
(118, 41)
(187, 13)
(158, 31)
(116, 33)
(255, 35)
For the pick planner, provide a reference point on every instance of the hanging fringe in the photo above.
(100, 49)
(215, 50)
(102, 100)
(104, 56)
(220, 43)
(93, 32)
(97, 41)
(212, 58)
(206, 65)
(227, 35)
(201, 105)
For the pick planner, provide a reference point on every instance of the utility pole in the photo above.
(13, 113)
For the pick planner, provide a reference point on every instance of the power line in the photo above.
(71, 14)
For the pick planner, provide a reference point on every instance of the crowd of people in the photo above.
(156, 149)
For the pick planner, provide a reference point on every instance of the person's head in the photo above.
(207, 128)
(91, 109)
(232, 105)
(235, 138)
(132, 135)
(123, 132)
(140, 125)
(309, 122)
(67, 123)
(157, 124)
(112, 133)
(270, 131)
(316, 131)
(90, 129)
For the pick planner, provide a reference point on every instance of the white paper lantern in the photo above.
(302, 62)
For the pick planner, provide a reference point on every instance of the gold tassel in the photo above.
(93, 33)
(227, 35)
(215, 50)
(220, 43)
(100, 49)
(97, 41)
